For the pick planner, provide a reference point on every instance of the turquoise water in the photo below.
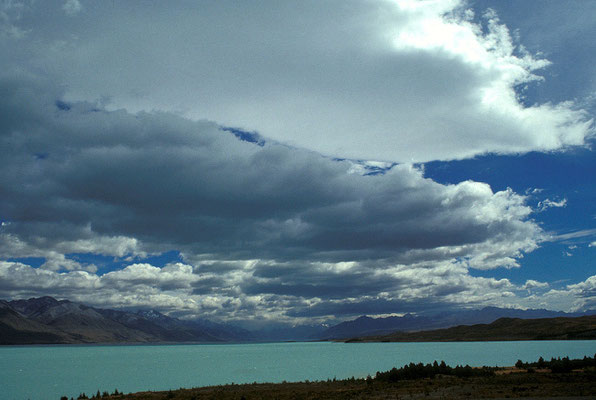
(48, 372)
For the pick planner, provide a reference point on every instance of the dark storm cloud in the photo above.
(209, 285)
(318, 281)
(262, 228)
(219, 267)
(338, 287)
(366, 307)
(168, 181)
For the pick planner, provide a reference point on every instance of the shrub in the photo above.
(417, 371)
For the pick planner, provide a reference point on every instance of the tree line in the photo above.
(558, 365)
(421, 371)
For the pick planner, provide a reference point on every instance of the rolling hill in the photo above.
(367, 326)
(560, 328)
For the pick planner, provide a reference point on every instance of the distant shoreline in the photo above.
(338, 341)
(503, 329)
(46, 320)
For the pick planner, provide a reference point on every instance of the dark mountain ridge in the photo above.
(367, 326)
(558, 328)
(47, 320)
(17, 329)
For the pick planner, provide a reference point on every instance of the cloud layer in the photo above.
(116, 142)
(263, 228)
(76, 171)
(404, 81)
(266, 291)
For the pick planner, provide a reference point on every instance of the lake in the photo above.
(48, 372)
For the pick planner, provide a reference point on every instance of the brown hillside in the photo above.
(561, 328)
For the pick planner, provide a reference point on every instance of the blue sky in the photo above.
(561, 33)
(568, 176)
(299, 161)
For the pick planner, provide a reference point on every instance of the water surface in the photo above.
(48, 372)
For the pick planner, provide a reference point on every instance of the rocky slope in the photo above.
(47, 320)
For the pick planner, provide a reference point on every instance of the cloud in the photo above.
(54, 253)
(172, 289)
(262, 228)
(72, 7)
(533, 284)
(547, 203)
(10, 16)
(21, 280)
(320, 210)
(547, 23)
(580, 234)
(400, 81)
(576, 297)
(117, 183)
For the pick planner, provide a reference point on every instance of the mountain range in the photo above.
(559, 328)
(367, 326)
(46, 320)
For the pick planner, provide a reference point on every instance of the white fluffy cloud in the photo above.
(72, 7)
(255, 291)
(548, 203)
(578, 296)
(12, 246)
(379, 80)
(533, 284)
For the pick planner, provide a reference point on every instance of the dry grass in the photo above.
(514, 383)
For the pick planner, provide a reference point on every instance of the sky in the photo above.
(299, 162)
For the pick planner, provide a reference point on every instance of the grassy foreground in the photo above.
(541, 379)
